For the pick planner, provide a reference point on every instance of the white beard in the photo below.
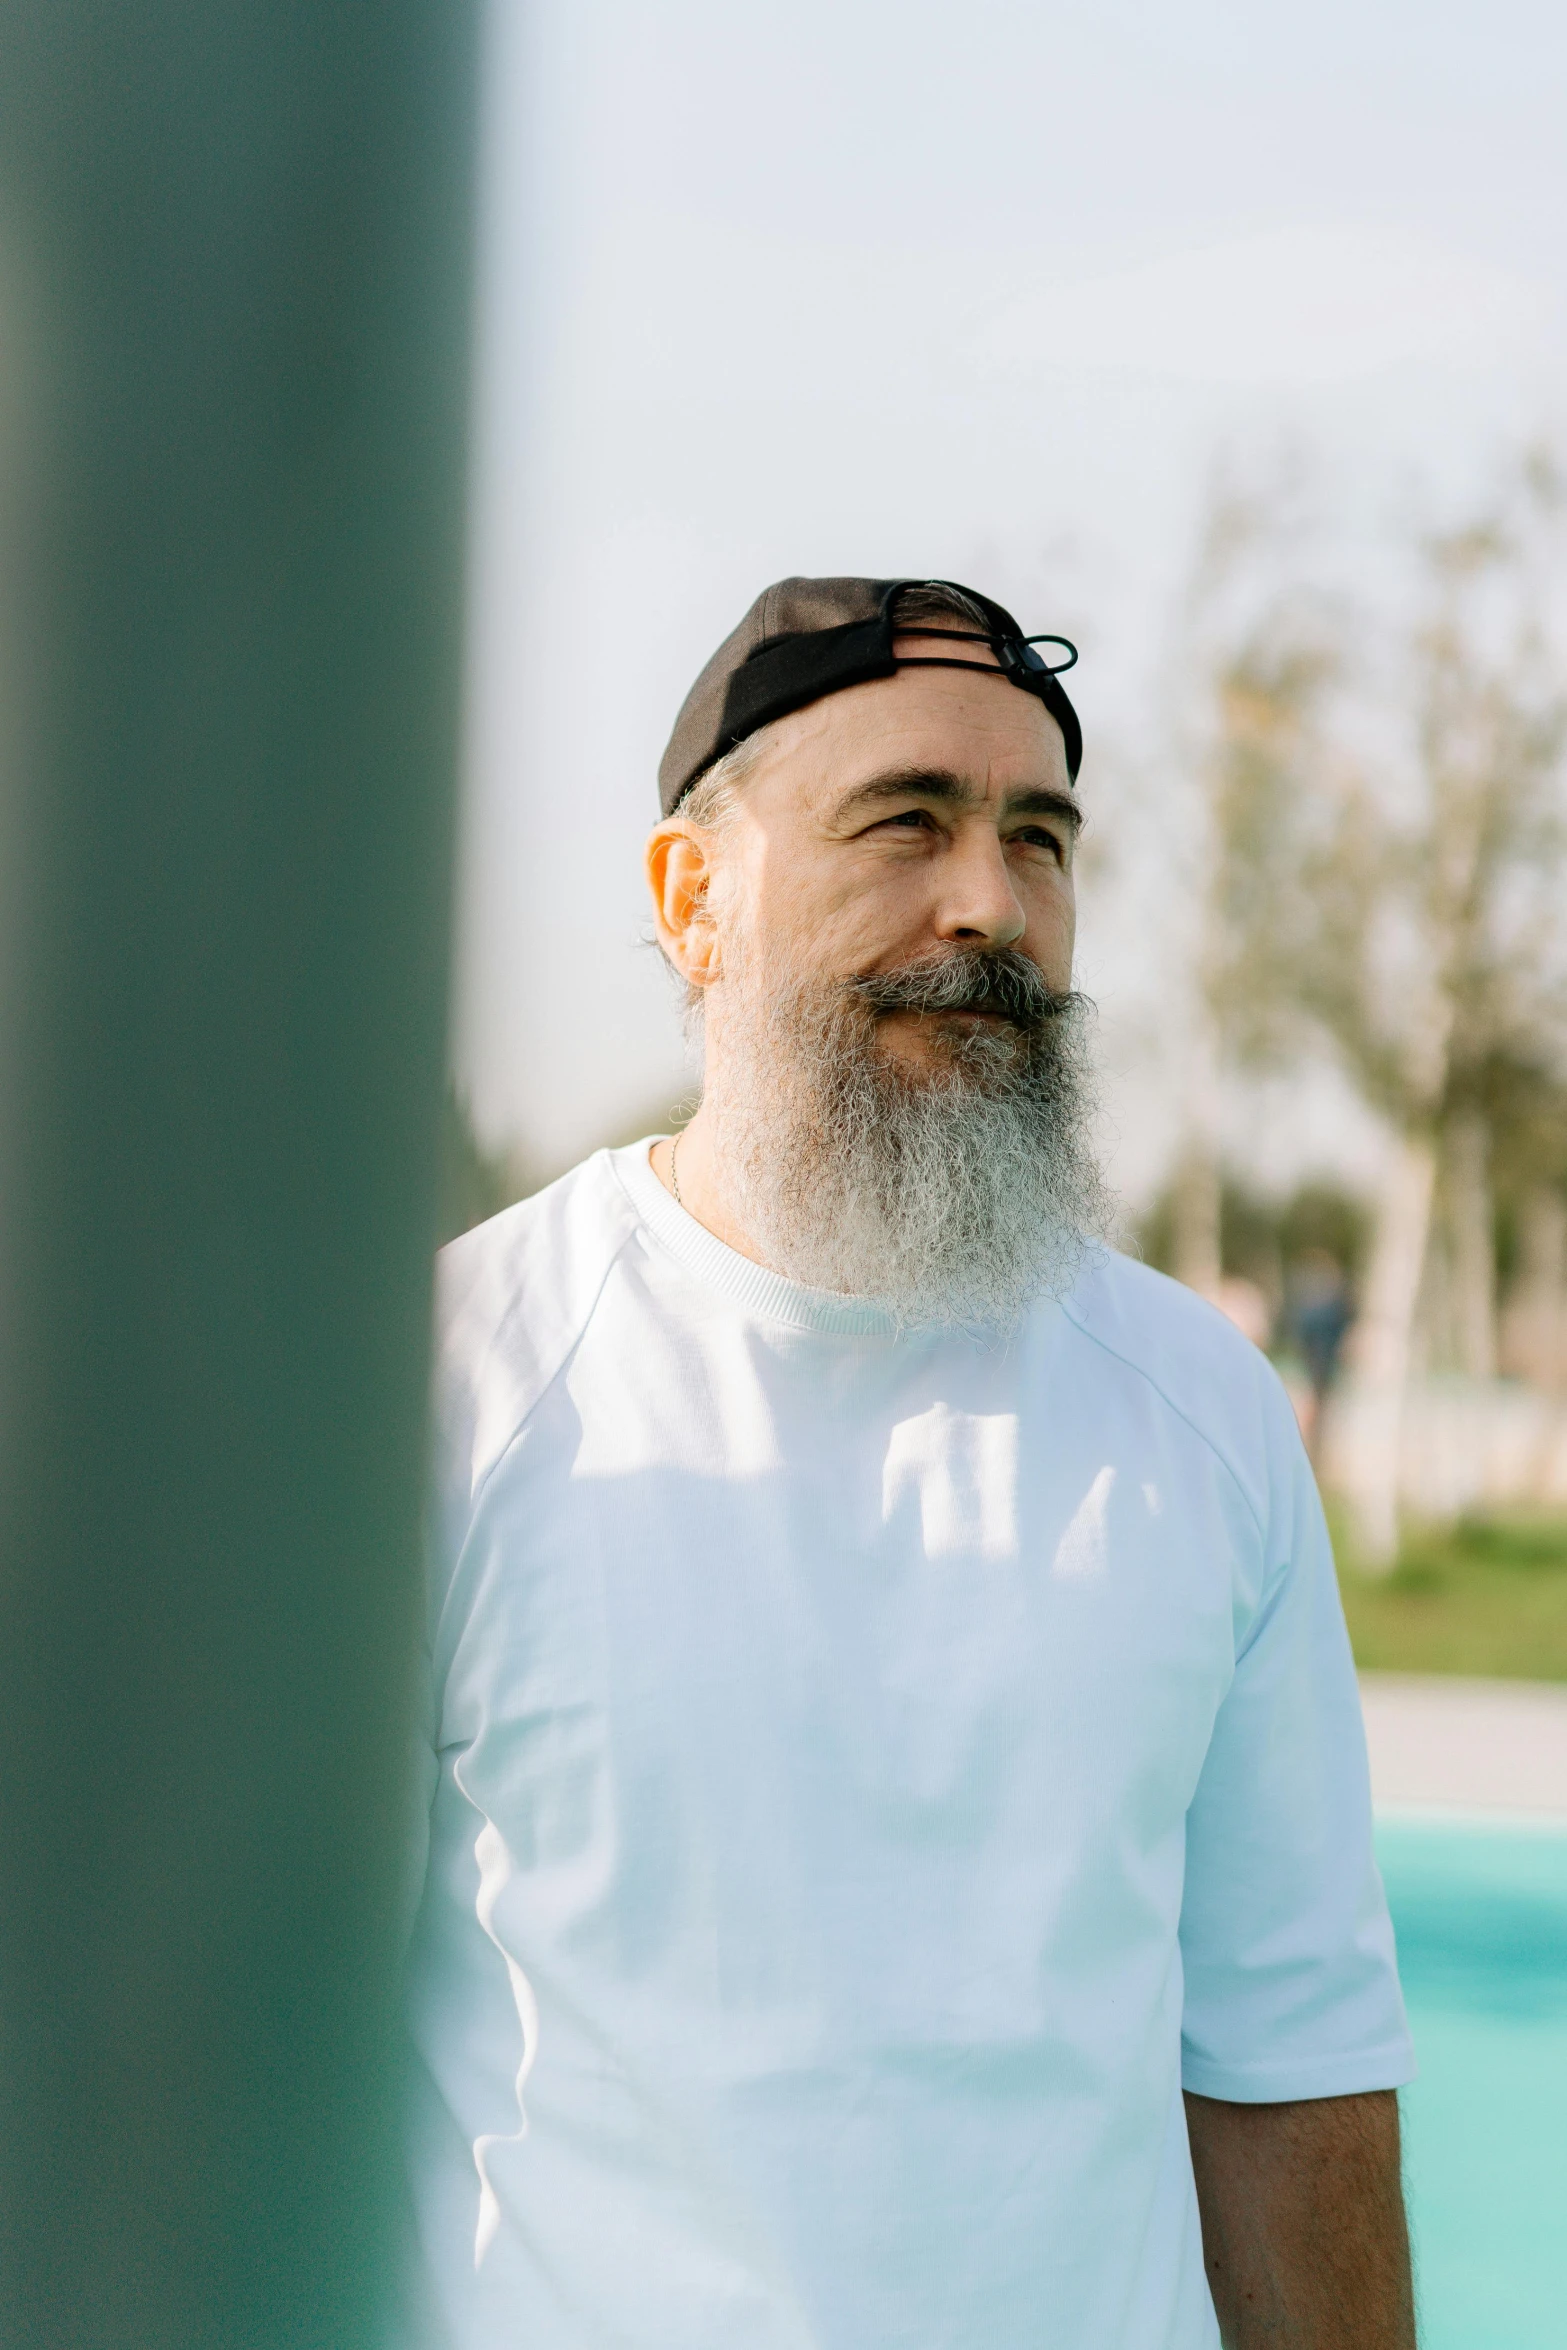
(953, 1193)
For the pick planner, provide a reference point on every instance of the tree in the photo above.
(1254, 656)
(1526, 1108)
(1400, 901)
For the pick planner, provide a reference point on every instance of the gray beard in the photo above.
(953, 1194)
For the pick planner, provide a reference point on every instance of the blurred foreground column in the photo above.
(233, 274)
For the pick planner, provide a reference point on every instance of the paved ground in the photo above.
(1467, 1745)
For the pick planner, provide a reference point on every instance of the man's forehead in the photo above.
(971, 737)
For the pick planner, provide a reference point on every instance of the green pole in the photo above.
(234, 264)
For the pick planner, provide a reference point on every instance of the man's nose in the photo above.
(978, 905)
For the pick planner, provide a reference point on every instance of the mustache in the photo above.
(996, 980)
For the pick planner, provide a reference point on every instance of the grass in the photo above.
(1488, 1595)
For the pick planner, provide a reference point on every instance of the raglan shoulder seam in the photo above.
(1132, 1364)
(458, 1543)
(545, 1385)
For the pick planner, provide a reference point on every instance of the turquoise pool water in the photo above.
(1481, 1917)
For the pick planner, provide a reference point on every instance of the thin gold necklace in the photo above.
(674, 1177)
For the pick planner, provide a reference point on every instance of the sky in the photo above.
(979, 293)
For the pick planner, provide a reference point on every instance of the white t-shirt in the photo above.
(870, 1774)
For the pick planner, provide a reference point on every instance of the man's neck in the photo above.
(688, 1169)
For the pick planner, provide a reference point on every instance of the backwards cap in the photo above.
(805, 638)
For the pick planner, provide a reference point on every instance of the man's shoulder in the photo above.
(528, 1265)
(513, 1297)
(1205, 1371)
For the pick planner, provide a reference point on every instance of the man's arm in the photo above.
(1303, 2230)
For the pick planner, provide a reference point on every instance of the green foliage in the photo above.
(1261, 1239)
(1322, 1217)
(1488, 1596)
(1523, 1100)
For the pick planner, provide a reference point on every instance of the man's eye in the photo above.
(912, 819)
(1035, 836)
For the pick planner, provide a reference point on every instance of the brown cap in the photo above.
(805, 638)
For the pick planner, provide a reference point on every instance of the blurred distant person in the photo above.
(1321, 1313)
(892, 1727)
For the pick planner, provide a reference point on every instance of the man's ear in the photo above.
(680, 875)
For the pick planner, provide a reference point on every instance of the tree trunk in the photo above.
(1535, 1323)
(1196, 1235)
(1382, 1348)
(1472, 1239)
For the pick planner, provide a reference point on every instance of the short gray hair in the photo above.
(932, 599)
(711, 800)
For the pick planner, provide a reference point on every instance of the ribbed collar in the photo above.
(767, 1295)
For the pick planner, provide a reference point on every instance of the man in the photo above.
(894, 1728)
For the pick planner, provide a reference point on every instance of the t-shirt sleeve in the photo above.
(1291, 1986)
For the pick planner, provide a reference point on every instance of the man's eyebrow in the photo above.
(1044, 800)
(945, 784)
